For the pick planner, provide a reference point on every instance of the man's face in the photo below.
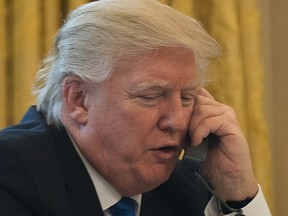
(137, 120)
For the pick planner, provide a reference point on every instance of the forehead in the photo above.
(165, 68)
(166, 65)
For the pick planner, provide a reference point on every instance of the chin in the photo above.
(157, 176)
(145, 180)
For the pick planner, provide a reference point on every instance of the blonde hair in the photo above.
(98, 36)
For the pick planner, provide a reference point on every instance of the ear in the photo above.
(74, 97)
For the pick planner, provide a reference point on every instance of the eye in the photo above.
(149, 99)
(187, 99)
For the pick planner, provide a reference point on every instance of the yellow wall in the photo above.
(275, 35)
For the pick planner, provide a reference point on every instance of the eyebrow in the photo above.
(158, 84)
(155, 84)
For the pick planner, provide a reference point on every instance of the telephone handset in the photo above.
(194, 156)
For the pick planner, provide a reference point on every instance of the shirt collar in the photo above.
(107, 194)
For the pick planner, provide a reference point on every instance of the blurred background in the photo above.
(250, 76)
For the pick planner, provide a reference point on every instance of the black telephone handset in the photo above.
(194, 156)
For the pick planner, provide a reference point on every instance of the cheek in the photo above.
(122, 129)
(119, 129)
(135, 120)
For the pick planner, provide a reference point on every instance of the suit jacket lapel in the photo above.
(80, 189)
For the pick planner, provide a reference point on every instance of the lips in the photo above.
(165, 152)
(168, 148)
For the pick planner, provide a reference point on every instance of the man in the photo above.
(116, 100)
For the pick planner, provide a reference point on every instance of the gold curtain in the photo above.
(3, 65)
(27, 28)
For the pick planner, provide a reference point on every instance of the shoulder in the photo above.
(29, 166)
(25, 150)
(30, 144)
(26, 144)
(30, 135)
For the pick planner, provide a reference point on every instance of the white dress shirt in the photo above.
(107, 194)
(258, 206)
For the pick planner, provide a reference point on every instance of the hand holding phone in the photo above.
(192, 161)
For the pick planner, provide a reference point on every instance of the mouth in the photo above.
(165, 152)
(168, 148)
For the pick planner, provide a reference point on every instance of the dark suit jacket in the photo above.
(42, 174)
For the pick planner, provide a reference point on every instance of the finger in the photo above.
(214, 125)
(212, 119)
(205, 108)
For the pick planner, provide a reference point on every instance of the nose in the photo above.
(174, 117)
